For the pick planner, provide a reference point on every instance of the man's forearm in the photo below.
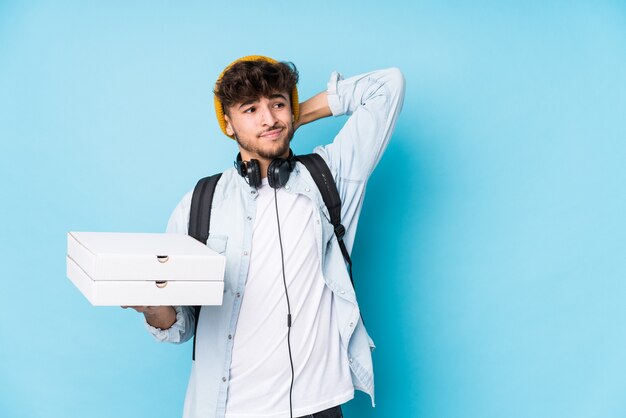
(313, 109)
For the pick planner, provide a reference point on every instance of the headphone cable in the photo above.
(282, 259)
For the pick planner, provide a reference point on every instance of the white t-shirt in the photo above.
(260, 373)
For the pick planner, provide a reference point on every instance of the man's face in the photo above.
(263, 128)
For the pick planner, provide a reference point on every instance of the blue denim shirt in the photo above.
(373, 101)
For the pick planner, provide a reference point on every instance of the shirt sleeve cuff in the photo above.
(173, 333)
(333, 98)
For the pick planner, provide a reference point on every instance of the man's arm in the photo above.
(373, 102)
(313, 109)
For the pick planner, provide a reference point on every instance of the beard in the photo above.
(276, 150)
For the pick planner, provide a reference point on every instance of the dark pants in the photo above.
(334, 412)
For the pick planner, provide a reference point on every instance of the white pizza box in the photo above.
(141, 269)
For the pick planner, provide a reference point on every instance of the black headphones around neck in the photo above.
(277, 172)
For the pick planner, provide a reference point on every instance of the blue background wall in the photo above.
(490, 256)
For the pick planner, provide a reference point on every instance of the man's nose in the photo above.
(267, 116)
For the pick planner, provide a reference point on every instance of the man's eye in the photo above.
(279, 105)
(249, 110)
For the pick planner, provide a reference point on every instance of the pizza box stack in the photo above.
(141, 269)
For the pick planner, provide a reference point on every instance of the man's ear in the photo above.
(229, 127)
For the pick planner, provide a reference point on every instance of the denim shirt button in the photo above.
(351, 324)
(223, 379)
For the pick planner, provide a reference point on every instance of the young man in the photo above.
(281, 251)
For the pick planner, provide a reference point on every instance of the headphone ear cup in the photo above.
(278, 173)
(254, 174)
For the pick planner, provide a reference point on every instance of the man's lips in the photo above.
(272, 133)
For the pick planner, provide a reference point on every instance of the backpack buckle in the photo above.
(340, 231)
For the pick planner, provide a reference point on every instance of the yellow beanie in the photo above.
(219, 108)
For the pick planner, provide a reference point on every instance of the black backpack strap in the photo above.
(328, 188)
(200, 223)
(200, 213)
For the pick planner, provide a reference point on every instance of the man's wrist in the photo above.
(162, 317)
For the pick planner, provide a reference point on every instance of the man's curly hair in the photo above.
(251, 80)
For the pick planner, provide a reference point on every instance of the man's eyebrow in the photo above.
(248, 102)
(278, 96)
(272, 96)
